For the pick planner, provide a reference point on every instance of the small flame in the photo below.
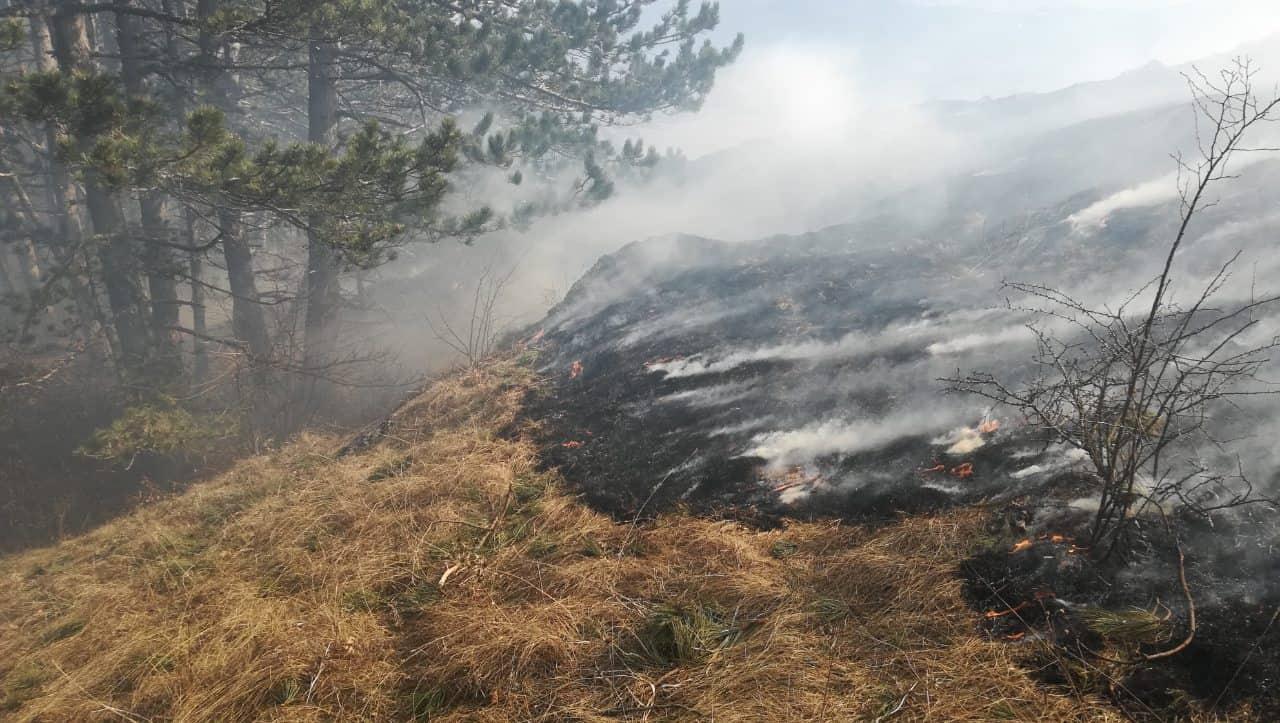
(575, 370)
(939, 467)
(793, 478)
(993, 614)
(536, 337)
(963, 471)
(989, 426)
(1016, 636)
(571, 444)
(660, 360)
(1021, 545)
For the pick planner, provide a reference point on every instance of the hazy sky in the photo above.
(811, 66)
(972, 48)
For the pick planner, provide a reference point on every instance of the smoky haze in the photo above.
(791, 143)
(1076, 188)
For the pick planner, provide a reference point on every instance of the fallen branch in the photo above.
(1191, 611)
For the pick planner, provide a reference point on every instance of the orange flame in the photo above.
(660, 360)
(993, 614)
(1016, 636)
(1021, 545)
(575, 370)
(989, 426)
(936, 468)
(571, 444)
(963, 471)
(795, 477)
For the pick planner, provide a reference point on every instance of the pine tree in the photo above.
(165, 127)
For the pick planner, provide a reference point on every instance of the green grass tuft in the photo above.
(681, 635)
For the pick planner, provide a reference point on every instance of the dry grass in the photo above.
(440, 576)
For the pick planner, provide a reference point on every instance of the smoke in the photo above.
(1150, 193)
(818, 439)
(851, 346)
(1154, 192)
(786, 144)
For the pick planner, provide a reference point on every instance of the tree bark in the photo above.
(8, 285)
(323, 293)
(195, 270)
(247, 319)
(157, 258)
(60, 196)
(25, 272)
(246, 312)
(195, 259)
(115, 252)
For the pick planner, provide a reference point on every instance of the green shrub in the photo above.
(159, 429)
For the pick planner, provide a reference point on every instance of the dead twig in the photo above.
(901, 703)
(636, 519)
(1191, 611)
(646, 709)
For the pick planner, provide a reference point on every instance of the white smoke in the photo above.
(796, 446)
(1150, 193)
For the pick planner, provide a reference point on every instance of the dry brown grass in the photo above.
(304, 587)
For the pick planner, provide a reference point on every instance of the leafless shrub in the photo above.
(476, 341)
(1134, 385)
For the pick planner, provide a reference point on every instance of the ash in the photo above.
(789, 376)
(797, 377)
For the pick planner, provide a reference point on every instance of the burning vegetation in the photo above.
(1126, 572)
(433, 573)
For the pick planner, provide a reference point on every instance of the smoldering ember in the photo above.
(646, 360)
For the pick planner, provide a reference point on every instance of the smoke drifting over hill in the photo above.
(997, 178)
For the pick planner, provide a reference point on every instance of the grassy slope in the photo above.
(441, 576)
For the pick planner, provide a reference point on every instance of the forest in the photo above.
(195, 192)
(579, 360)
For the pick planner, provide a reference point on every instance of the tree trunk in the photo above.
(24, 251)
(323, 294)
(7, 283)
(199, 345)
(157, 257)
(195, 259)
(247, 319)
(60, 195)
(25, 266)
(115, 252)
(246, 311)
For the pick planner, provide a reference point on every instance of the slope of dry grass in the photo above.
(441, 576)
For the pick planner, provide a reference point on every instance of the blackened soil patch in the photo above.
(799, 378)
(795, 377)
(1036, 584)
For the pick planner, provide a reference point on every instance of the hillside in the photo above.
(438, 575)
(587, 361)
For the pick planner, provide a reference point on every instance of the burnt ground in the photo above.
(799, 377)
(1045, 590)
(779, 328)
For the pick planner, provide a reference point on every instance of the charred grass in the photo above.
(439, 575)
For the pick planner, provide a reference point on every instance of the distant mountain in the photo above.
(1150, 85)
